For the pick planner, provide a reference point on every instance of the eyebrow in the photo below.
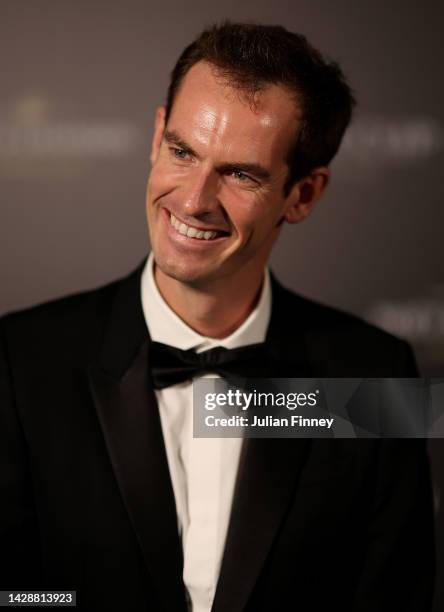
(172, 137)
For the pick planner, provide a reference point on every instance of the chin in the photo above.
(180, 271)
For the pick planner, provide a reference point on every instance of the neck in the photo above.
(215, 310)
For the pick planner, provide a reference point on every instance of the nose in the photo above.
(201, 190)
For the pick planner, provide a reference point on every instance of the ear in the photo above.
(305, 194)
(159, 128)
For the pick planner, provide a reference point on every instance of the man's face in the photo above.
(215, 194)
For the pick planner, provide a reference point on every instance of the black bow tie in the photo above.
(171, 365)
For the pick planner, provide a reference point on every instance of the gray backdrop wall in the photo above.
(79, 85)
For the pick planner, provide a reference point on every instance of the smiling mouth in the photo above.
(194, 232)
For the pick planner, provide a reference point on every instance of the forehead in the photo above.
(207, 111)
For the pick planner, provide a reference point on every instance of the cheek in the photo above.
(250, 214)
(250, 228)
(162, 180)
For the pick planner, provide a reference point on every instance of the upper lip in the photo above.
(198, 227)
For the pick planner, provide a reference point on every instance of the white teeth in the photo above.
(191, 232)
(174, 222)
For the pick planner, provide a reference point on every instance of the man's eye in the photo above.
(242, 178)
(179, 153)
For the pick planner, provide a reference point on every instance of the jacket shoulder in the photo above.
(319, 316)
(73, 323)
(346, 340)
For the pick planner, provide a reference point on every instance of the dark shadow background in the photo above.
(80, 82)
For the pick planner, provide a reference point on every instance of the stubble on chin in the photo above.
(169, 269)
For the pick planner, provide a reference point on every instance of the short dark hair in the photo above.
(252, 56)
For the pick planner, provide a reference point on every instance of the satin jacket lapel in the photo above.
(286, 339)
(268, 475)
(268, 472)
(128, 414)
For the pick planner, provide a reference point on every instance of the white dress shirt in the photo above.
(203, 470)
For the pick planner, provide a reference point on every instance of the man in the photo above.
(104, 489)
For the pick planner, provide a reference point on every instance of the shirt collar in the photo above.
(165, 326)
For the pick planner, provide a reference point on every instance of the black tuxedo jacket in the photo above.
(87, 502)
